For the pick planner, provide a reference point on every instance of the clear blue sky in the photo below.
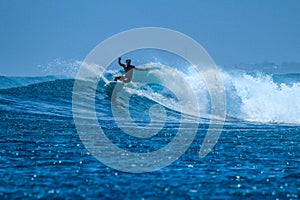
(35, 32)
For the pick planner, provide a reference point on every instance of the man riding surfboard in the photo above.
(128, 68)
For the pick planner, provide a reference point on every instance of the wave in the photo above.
(255, 96)
(49, 98)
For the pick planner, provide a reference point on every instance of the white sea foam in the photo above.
(263, 100)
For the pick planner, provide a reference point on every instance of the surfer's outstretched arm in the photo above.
(121, 64)
(142, 69)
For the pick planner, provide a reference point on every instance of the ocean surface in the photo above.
(257, 155)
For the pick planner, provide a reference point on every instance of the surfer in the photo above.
(128, 68)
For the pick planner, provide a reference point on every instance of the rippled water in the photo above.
(42, 155)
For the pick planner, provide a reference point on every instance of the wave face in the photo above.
(256, 96)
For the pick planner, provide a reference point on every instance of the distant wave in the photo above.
(11, 82)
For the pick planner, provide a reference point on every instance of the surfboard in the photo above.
(113, 87)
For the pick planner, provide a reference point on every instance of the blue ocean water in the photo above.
(256, 157)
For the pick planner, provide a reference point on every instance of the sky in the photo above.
(34, 33)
